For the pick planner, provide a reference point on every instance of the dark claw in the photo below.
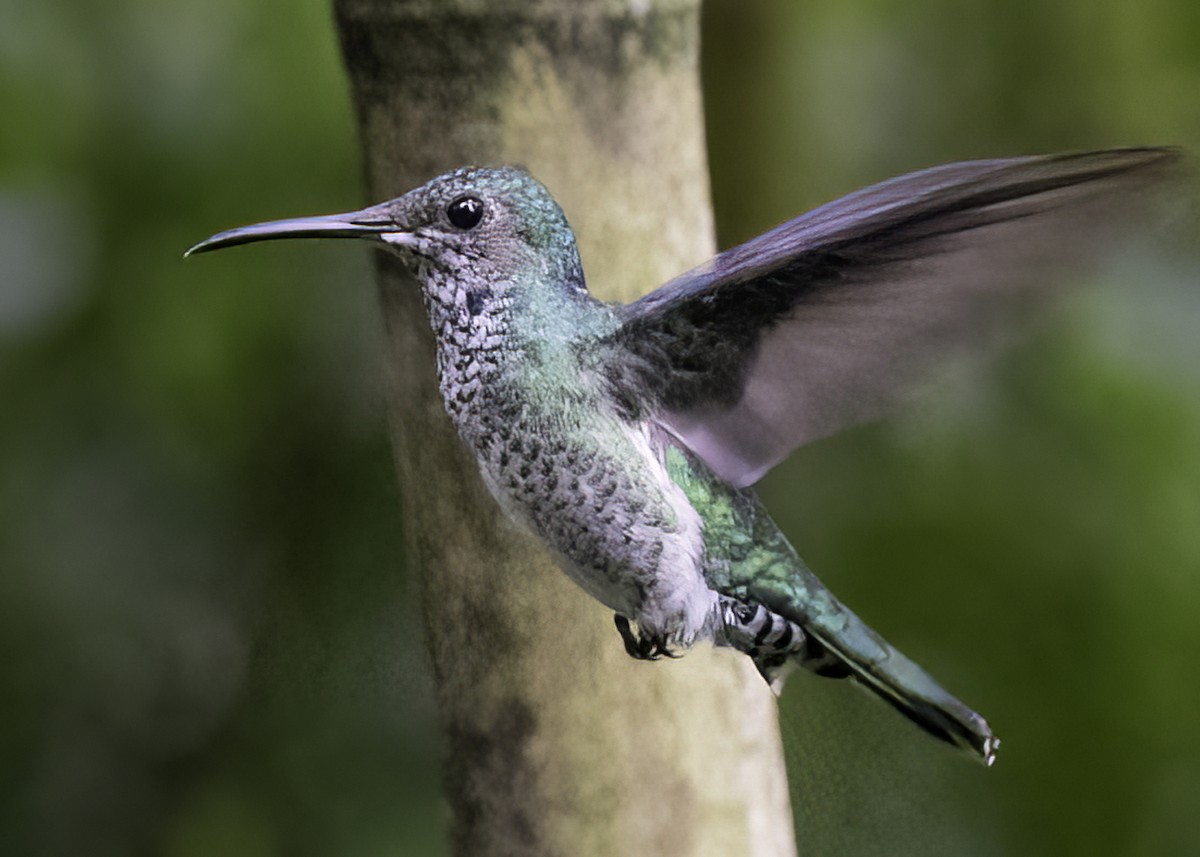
(660, 649)
(632, 644)
(640, 647)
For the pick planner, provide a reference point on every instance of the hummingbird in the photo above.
(628, 437)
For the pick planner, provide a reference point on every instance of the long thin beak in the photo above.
(354, 224)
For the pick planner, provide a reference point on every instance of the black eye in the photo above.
(465, 212)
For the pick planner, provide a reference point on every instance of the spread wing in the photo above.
(829, 319)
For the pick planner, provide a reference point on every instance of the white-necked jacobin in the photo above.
(627, 437)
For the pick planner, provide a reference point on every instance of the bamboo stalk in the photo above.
(556, 742)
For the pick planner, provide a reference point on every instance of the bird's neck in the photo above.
(514, 342)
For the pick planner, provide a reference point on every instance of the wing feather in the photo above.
(829, 319)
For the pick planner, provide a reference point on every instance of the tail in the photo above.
(831, 641)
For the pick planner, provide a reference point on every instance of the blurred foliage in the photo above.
(210, 646)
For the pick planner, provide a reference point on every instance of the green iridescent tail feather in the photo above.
(879, 666)
(751, 563)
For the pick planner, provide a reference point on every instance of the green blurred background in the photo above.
(209, 643)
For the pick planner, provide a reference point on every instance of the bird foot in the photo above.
(642, 647)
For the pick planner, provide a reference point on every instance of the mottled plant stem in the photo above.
(556, 742)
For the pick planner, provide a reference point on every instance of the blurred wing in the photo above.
(827, 320)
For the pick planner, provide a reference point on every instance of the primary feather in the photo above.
(831, 318)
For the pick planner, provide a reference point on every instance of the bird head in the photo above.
(486, 225)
